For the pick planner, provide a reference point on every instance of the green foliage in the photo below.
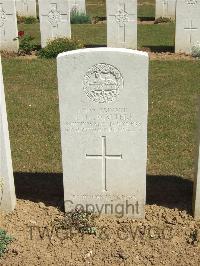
(81, 221)
(4, 241)
(27, 45)
(79, 18)
(58, 46)
(26, 20)
(196, 50)
(162, 20)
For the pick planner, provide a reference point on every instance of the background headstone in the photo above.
(54, 20)
(187, 25)
(8, 26)
(26, 8)
(103, 112)
(166, 9)
(7, 189)
(122, 23)
(78, 5)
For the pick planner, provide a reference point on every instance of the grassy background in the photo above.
(32, 100)
(34, 119)
(154, 37)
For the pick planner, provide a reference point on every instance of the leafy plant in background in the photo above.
(26, 20)
(77, 17)
(26, 45)
(4, 241)
(58, 46)
(196, 50)
(162, 20)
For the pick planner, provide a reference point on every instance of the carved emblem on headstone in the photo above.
(2, 17)
(191, 2)
(122, 17)
(54, 16)
(102, 83)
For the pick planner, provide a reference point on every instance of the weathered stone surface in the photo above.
(122, 23)
(166, 9)
(103, 96)
(187, 25)
(54, 20)
(26, 8)
(78, 5)
(8, 26)
(7, 189)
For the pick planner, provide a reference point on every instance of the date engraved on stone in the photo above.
(103, 83)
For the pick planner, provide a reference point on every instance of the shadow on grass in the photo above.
(167, 191)
(160, 48)
(95, 45)
(146, 18)
(40, 187)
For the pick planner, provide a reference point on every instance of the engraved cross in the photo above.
(3, 18)
(122, 17)
(55, 17)
(191, 29)
(104, 157)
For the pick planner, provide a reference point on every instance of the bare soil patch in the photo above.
(167, 236)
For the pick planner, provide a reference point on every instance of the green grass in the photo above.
(157, 37)
(146, 9)
(96, 8)
(32, 102)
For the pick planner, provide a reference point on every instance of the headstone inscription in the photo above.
(103, 98)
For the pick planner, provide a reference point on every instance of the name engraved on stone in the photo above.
(104, 157)
(103, 82)
(102, 119)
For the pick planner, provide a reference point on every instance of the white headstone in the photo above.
(166, 9)
(26, 8)
(78, 5)
(8, 26)
(54, 20)
(122, 23)
(7, 189)
(103, 98)
(187, 25)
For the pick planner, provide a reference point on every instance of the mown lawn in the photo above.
(32, 102)
(154, 37)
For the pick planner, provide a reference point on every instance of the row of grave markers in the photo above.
(103, 120)
(121, 23)
(27, 8)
